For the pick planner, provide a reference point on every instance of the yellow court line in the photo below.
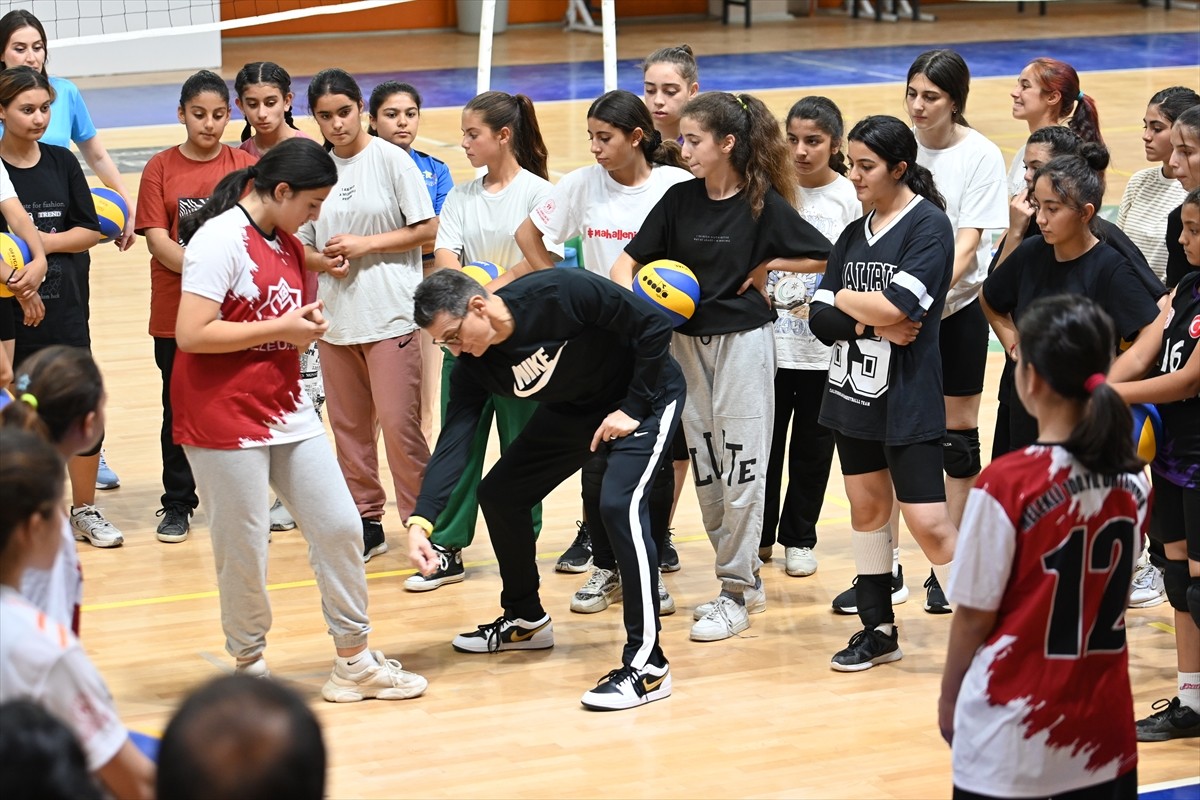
(310, 582)
(1164, 627)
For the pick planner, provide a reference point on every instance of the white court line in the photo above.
(1156, 787)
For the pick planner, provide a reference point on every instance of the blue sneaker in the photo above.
(105, 477)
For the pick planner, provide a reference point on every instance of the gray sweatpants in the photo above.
(727, 420)
(233, 486)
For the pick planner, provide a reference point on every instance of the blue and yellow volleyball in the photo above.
(484, 272)
(1147, 429)
(15, 253)
(671, 287)
(112, 211)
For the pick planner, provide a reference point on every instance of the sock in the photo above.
(870, 550)
(942, 573)
(740, 599)
(895, 560)
(1189, 690)
(359, 662)
(886, 628)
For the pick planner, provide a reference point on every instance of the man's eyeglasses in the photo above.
(451, 338)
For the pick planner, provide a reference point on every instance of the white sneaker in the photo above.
(756, 603)
(281, 520)
(253, 669)
(800, 562)
(603, 587)
(666, 603)
(726, 619)
(1147, 590)
(383, 679)
(91, 526)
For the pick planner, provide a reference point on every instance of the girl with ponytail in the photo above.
(478, 221)
(730, 228)
(1048, 93)
(604, 204)
(264, 96)
(880, 306)
(1048, 544)
(366, 245)
(247, 424)
(60, 396)
(40, 659)
(1163, 367)
(827, 200)
(670, 79)
(175, 183)
(1068, 257)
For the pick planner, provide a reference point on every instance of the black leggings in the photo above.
(1121, 788)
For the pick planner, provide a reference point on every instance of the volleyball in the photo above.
(1147, 428)
(15, 253)
(671, 287)
(112, 211)
(483, 271)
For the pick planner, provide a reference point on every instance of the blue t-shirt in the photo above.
(437, 177)
(69, 117)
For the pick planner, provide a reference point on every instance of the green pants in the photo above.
(455, 527)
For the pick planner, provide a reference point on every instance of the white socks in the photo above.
(1189, 690)
(355, 664)
(942, 573)
(872, 551)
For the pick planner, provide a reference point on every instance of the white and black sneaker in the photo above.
(450, 570)
(866, 649)
(374, 543)
(629, 687)
(577, 557)
(507, 633)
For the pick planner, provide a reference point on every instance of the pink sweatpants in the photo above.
(368, 387)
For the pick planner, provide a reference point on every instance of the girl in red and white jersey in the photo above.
(246, 423)
(1041, 573)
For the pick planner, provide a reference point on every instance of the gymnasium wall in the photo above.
(424, 14)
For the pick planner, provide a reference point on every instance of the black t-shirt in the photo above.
(56, 195)
(877, 390)
(721, 242)
(1178, 452)
(1177, 263)
(581, 345)
(1101, 274)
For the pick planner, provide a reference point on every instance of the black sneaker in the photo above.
(577, 557)
(628, 687)
(847, 601)
(450, 570)
(1173, 721)
(373, 542)
(867, 648)
(507, 634)
(668, 559)
(935, 598)
(175, 525)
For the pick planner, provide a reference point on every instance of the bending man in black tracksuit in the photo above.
(596, 359)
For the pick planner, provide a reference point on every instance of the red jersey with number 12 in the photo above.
(1045, 706)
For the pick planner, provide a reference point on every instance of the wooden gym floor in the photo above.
(760, 715)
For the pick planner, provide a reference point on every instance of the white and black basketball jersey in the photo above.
(877, 390)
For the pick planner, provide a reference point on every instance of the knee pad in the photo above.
(960, 453)
(1178, 582)
(1193, 600)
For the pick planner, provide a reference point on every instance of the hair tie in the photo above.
(29, 400)
(1093, 381)
(741, 102)
(1080, 95)
(22, 382)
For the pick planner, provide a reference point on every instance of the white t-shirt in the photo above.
(7, 190)
(479, 225)
(829, 209)
(1016, 173)
(607, 214)
(42, 661)
(378, 191)
(1149, 197)
(59, 590)
(970, 176)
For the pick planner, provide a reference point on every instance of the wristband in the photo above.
(421, 523)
